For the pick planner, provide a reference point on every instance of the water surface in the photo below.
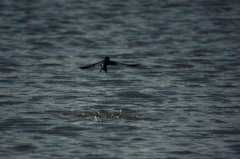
(182, 103)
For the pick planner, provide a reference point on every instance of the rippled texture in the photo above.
(183, 102)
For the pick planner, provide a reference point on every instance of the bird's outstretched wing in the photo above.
(124, 64)
(113, 63)
(131, 65)
(91, 65)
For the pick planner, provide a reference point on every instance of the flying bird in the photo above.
(105, 62)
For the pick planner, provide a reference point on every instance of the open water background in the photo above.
(184, 102)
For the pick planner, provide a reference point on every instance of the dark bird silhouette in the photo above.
(105, 62)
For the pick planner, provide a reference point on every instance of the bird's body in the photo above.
(105, 62)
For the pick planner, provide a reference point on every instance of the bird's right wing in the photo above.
(124, 64)
(129, 65)
(90, 65)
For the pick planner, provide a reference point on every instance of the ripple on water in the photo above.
(235, 148)
(24, 147)
(134, 95)
(10, 102)
(7, 70)
(223, 132)
(21, 123)
(67, 131)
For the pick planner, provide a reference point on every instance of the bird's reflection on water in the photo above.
(97, 115)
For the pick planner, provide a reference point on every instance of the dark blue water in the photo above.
(183, 102)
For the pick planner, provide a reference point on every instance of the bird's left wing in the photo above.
(90, 65)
